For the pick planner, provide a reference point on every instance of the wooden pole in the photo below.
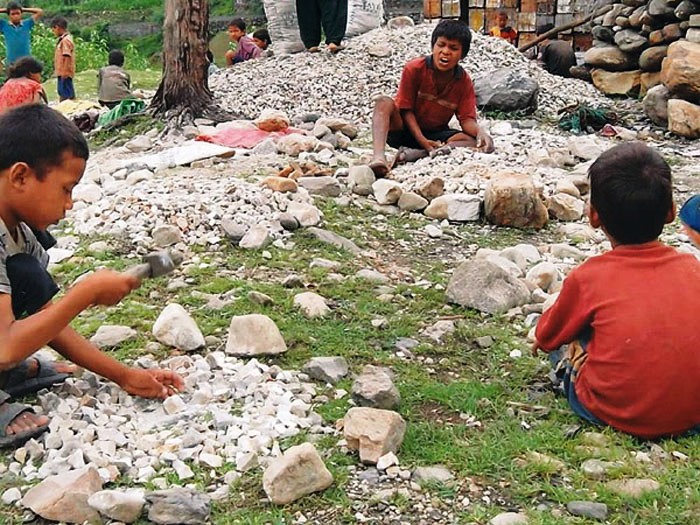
(565, 27)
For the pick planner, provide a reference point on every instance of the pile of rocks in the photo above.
(345, 84)
(630, 44)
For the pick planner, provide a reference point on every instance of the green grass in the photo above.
(85, 83)
(463, 380)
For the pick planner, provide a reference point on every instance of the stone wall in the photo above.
(642, 46)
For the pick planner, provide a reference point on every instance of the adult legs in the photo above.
(334, 18)
(386, 117)
(309, 19)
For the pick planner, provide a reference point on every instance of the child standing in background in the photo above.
(64, 59)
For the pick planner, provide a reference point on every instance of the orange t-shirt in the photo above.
(507, 33)
(64, 56)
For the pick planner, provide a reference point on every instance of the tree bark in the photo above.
(184, 89)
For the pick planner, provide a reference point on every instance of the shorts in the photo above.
(65, 88)
(404, 138)
(32, 286)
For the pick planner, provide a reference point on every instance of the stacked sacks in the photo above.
(631, 41)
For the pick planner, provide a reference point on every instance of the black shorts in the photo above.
(397, 139)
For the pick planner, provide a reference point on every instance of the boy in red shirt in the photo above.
(432, 90)
(631, 313)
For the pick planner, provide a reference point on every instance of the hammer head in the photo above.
(162, 262)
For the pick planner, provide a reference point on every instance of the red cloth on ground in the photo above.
(18, 91)
(244, 137)
(642, 374)
(433, 110)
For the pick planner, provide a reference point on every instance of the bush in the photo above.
(90, 53)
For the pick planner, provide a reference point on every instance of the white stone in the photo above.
(306, 214)
(255, 238)
(455, 207)
(387, 191)
(312, 305)
(10, 496)
(108, 336)
(125, 506)
(254, 334)
(89, 193)
(174, 327)
(300, 471)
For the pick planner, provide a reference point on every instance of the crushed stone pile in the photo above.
(345, 84)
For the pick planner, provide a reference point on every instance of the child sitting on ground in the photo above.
(629, 314)
(23, 85)
(246, 49)
(262, 39)
(690, 217)
(113, 83)
(432, 90)
(42, 158)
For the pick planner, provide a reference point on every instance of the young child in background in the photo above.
(23, 85)
(246, 49)
(113, 83)
(64, 59)
(628, 316)
(502, 29)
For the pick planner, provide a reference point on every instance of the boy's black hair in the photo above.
(543, 28)
(60, 21)
(264, 35)
(24, 66)
(631, 190)
(453, 30)
(116, 58)
(39, 136)
(13, 6)
(237, 22)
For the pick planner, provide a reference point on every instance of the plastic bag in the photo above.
(125, 107)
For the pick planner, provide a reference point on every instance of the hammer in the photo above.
(156, 264)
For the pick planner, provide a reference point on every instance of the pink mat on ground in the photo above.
(244, 137)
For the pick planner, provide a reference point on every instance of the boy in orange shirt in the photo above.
(64, 59)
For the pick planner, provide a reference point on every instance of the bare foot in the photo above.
(409, 155)
(334, 48)
(314, 49)
(24, 422)
(380, 167)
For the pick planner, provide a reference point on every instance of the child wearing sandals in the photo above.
(628, 316)
(42, 158)
(432, 90)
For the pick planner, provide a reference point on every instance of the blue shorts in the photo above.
(65, 88)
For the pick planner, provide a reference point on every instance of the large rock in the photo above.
(630, 41)
(651, 59)
(486, 287)
(178, 506)
(410, 201)
(648, 81)
(336, 240)
(375, 388)
(686, 9)
(459, 207)
(323, 186)
(434, 474)
(306, 214)
(588, 509)
(680, 71)
(684, 118)
(387, 191)
(117, 505)
(166, 235)
(296, 143)
(300, 471)
(432, 188)
(280, 184)
(373, 432)
(512, 200)
(565, 207)
(174, 327)
(603, 34)
(360, 180)
(661, 8)
(656, 105)
(254, 334)
(256, 238)
(65, 497)
(326, 369)
(311, 305)
(693, 35)
(506, 90)
(109, 336)
(610, 58)
(617, 83)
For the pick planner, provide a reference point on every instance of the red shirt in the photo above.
(642, 302)
(433, 110)
(18, 91)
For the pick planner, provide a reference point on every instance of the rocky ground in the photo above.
(331, 336)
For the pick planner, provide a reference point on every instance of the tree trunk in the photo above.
(184, 93)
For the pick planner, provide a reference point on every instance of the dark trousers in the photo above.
(32, 286)
(312, 15)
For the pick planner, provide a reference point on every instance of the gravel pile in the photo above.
(344, 85)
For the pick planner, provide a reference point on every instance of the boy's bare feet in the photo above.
(334, 48)
(380, 167)
(18, 422)
(314, 49)
(26, 421)
(409, 155)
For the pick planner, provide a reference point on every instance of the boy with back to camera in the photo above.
(42, 158)
(432, 90)
(630, 315)
(113, 83)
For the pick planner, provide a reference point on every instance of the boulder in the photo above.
(298, 472)
(432, 188)
(630, 41)
(326, 369)
(387, 191)
(656, 105)
(174, 327)
(603, 34)
(634, 488)
(360, 180)
(375, 388)
(373, 432)
(255, 238)
(334, 239)
(565, 207)
(109, 336)
(311, 304)
(64, 497)
(680, 71)
(484, 286)
(684, 118)
(306, 214)
(178, 505)
(272, 120)
(459, 207)
(117, 505)
(661, 8)
(512, 200)
(166, 235)
(410, 201)
(617, 83)
(648, 81)
(280, 184)
(610, 58)
(506, 90)
(252, 335)
(693, 35)
(651, 58)
(323, 186)
(686, 9)
(296, 143)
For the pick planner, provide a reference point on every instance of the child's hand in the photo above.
(430, 145)
(535, 347)
(155, 383)
(484, 142)
(110, 287)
